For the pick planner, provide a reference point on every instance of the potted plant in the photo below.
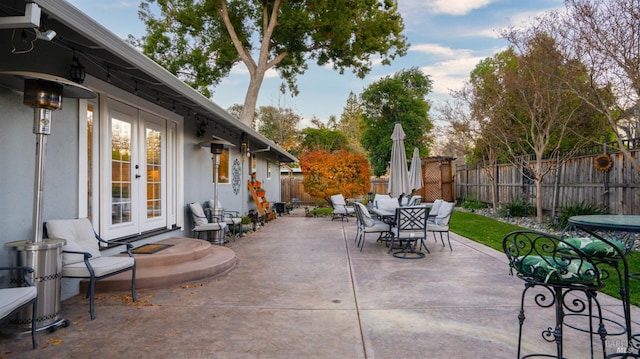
(246, 223)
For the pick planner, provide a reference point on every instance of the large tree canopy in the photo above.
(398, 98)
(201, 40)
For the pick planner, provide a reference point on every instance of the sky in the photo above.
(448, 38)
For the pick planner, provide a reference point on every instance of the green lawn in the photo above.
(490, 232)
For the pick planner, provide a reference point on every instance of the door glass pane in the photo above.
(121, 171)
(154, 168)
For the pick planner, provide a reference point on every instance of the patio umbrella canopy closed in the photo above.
(415, 173)
(399, 176)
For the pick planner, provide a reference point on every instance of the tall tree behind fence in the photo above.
(574, 181)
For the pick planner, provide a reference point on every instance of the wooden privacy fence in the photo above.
(292, 188)
(573, 181)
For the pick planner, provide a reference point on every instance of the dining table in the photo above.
(620, 232)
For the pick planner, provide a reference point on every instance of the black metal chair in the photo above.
(366, 224)
(410, 227)
(340, 209)
(81, 256)
(15, 299)
(568, 280)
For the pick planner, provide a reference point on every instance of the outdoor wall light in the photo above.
(244, 145)
(76, 70)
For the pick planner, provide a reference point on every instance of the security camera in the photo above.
(46, 35)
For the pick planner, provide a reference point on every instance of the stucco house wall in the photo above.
(181, 111)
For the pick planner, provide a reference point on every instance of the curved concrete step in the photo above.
(187, 260)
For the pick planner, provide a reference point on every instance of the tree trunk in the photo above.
(251, 97)
(539, 176)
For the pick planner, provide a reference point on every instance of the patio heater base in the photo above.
(46, 260)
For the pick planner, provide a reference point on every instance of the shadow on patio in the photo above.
(303, 290)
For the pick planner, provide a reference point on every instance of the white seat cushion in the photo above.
(410, 235)
(387, 203)
(210, 227)
(377, 227)
(101, 266)
(79, 235)
(14, 298)
(444, 213)
(436, 228)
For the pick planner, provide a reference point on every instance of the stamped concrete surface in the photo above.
(302, 289)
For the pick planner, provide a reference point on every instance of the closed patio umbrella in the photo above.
(399, 176)
(415, 172)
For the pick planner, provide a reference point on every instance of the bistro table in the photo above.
(623, 229)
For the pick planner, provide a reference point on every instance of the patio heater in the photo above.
(216, 146)
(44, 93)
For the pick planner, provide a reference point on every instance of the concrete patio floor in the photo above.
(303, 290)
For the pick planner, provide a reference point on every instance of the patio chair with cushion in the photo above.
(81, 255)
(200, 222)
(440, 223)
(410, 227)
(231, 218)
(566, 279)
(15, 299)
(435, 207)
(366, 224)
(340, 209)
(415, 200)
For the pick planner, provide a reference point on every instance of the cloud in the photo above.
(117, 4)
(458, 7)
(451, 74)
(241, 69)
(439, 50)
(448, 7)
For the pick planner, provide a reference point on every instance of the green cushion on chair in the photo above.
(592, 247)
(555, 270)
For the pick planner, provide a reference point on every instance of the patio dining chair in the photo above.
(201, 222)
(565, 279)
(440, 223)
(12, 300)
(415, 200)
(410, 227)
(231, 218)
(81, 256)
(435, 207)
(366, 224)
(340, 209)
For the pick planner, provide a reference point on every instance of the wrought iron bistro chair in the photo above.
(15, 299)
(366, 224)
(410, 227)
(340, 209)
(567, 279)
(81, 255)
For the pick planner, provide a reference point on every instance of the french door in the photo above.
(134, 188)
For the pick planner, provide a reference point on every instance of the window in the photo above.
(268, 169)
(223, 169)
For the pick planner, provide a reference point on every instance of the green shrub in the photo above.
(577, 209)
(473, 203)
(321, 211)
(516, 208)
